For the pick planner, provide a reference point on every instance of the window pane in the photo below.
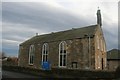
(60, 51)
(64, 51)
(44, 47)
(32, 59)
(46, 58)
(60, 60)
(61, 46)
(64, 60)
(46, 52)
(43, 58)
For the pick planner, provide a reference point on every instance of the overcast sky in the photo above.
(21, 20)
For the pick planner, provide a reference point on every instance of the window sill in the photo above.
(62, 67)
(30, 64)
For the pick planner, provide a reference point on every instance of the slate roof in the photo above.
(63, 35)
(113, 54)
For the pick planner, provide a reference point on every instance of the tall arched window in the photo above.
(45, 52)
(99, 61)
(62, 54)
(98, 46)
(104, 47)
(31, 54)
(101, 45)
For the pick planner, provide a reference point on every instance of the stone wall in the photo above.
(101, 52)
(113, 64)
(77, 51)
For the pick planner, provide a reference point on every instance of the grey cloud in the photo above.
(42, 18)
(23, 20)
(111, 35)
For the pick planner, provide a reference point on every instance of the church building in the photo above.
(77, 48)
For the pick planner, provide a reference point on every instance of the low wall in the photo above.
(64, 73)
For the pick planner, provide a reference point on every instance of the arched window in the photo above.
(101, 45)
(45, 52)
(62, 54)
(31, 54)
(99, 61)
(104, 47)
(98, 42)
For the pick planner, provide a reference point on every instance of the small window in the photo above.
(74, 65)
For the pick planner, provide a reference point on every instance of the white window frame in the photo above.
(63, 43)
(45, 52)
(31, 54)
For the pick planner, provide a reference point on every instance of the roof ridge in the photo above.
(63, 35)
(67, 30)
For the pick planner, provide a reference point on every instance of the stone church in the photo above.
(77, 48)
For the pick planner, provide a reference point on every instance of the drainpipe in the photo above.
(89, 44)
